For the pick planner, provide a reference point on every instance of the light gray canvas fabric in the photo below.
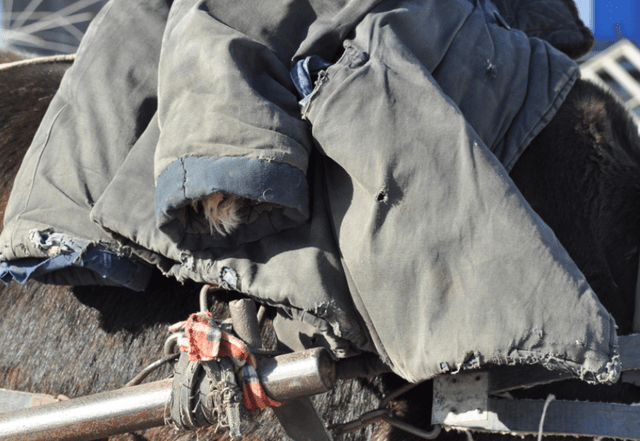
(104, 103)
(383, 215)
(460, 217)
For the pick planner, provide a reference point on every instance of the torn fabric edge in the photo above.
(325, 317)
(67, 252)
(188, 179)
(609, 373)
(302, 75)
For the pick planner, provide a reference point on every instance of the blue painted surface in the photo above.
(615, 19)
(611, 20)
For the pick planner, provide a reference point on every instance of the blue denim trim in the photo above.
(188, 179)
(301, 75)
(80, 254)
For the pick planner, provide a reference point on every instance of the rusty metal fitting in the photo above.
(171, 343)
(383, 413)
(297, 374)
(152, 367)
(245, 322)
(363, 420)
(203, 296)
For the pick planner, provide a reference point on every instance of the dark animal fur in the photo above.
(557, 22)
(581, 174)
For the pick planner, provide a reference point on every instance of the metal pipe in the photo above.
(297, 374)
(91, 417)
(245, 322)
(141, 407)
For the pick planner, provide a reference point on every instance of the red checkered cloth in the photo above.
(205, 341)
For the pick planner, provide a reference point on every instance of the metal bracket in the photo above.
(460, 398)
(462, 401)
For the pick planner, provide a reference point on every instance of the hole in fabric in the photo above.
(382, 196)
(472, 361)
(492, 72)
(229, 277)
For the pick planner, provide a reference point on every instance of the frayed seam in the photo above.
(188, 261)
(608, 374)
(336, 317)
(53, 244)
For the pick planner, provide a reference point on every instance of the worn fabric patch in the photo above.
(73, 254)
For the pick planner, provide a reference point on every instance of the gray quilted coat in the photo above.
(381, 212)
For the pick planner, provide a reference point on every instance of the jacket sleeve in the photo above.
(229, 122)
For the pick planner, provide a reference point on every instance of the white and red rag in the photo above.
(204, 341)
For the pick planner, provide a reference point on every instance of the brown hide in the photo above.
(581, 174)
